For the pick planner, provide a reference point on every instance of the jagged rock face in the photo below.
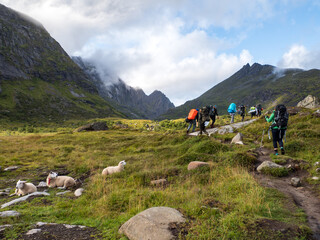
(37, 77)
(134, 102)
(309, 102)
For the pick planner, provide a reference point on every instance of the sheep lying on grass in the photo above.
(23, 188)
(110, 170)
(61, 182)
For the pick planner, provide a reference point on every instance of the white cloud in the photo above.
(167, 45)
(300, 57)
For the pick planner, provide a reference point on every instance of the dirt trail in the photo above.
(302, 197)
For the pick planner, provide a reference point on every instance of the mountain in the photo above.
(131, 101)
(255, 84)
(38, 80)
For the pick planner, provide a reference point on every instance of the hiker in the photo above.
(192, 119)
(204, 119)
(232, 109)
(253, 111)
(213, 114)
(242, 112)
(259, 110)
(279, 119)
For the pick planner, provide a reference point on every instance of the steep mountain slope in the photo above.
(38, 80)
(131, 101)
(255, 84)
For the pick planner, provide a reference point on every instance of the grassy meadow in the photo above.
(222, 201)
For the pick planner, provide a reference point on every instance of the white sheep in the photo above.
(114, 169)
(61, 182)
(23, 188)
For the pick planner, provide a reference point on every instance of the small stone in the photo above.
(196, 164)
(42, 184)
(315, 178)
(268, 164)
(295, 182)
(159, 182)
(9, 214)
(4, 194)
(237, 138)
(316, 164)
(33, 231)
(62, 193)
(11, 168)
(3, 227)
(69, 226)
(318, 169)
(78, 192)
(40, 224)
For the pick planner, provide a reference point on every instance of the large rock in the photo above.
(152, 223)
(78, 192)
(196, 164)
(268, 164)
(237, 139)
(96, 126)
(309, 102)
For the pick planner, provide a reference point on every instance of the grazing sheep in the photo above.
(23, 188)
(110, 170)
(61, 182)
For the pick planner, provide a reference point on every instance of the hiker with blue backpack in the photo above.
(232, 109)
(279, 119)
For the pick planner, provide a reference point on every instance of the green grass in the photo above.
(237, 200)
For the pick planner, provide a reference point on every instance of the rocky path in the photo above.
(225, 129)
(302, 197)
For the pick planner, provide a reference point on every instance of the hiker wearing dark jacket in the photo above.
(277, 133)
(213, 114)
(203, 117)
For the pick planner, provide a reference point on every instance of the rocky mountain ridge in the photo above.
(131, 101)
(251, 85)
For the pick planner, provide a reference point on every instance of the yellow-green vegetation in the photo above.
(222, 201)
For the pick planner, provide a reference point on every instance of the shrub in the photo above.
(243, 159)
(276, 172)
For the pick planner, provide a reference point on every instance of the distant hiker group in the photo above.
(202, 116)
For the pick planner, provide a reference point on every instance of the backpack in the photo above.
(242, 109)
(205, 111)
(232, 108)
(192, 114)
(281, 116)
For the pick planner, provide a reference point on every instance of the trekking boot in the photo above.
(282, 151)
(276, 152)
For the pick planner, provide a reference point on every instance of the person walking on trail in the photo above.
(259, 110)
(232, 109)
(253, 111)
(213, 114)
(204, 119)
(279, 119)
(192, 119)
(242, 112)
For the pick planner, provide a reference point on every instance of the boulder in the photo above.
(42, 184)
(24, 198)
(9, 214)
(237, 139)
(96, 126)
(296, 182)
(196, 164)
(309, 102)
(152, 223)
(78, 192)
(268, 164)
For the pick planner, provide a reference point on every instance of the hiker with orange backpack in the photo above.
(192, 119)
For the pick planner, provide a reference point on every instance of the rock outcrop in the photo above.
(309, 102)
(196, 164)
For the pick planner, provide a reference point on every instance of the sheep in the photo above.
(23, 188)
(114, 169)
(61, 182)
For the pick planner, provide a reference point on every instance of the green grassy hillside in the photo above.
(222, 201)
(256, 84)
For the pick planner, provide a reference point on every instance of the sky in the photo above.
(181, 47)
